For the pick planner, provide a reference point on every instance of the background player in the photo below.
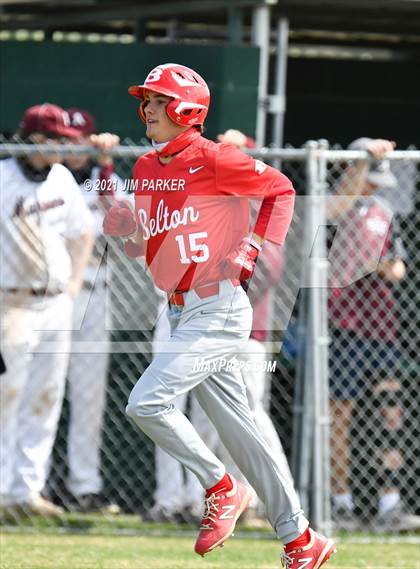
(193, 214)
(46, 241)
(367, 264)
(87, 375)
(267, 274)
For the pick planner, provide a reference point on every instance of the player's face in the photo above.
(78, 161)
(159, 126)
(43, 160)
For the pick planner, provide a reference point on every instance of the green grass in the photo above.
(63, 551)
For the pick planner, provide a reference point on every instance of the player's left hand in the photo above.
(240, 263)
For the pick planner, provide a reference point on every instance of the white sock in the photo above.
(388, 501)
(343, 500)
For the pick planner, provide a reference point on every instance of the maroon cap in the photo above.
(82, 121)
(47, 119)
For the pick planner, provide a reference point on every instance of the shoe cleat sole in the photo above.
(326, 557)
(215, 547)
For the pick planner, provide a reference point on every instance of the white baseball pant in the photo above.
(31, 390)
(87, 377)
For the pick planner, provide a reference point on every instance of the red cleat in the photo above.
(222, 509)
(310, 556)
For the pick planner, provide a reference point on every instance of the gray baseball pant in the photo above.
(213, 330)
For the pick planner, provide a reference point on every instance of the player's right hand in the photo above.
(119, 221)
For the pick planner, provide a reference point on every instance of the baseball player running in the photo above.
(192, 224)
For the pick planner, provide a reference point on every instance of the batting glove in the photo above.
(240, 263)
(119, 221)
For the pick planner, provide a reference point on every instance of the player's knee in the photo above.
(130, 410)
(137, 409)
(146, 403)
(137, 404)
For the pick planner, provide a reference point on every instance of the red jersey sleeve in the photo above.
(238, 174)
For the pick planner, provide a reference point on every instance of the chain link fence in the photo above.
(344, 394)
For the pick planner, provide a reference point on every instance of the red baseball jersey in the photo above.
(195, 210)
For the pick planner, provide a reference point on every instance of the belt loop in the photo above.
(176, 298)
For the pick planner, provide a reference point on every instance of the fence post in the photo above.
(318, 332)
(302, 457)
(313, 476)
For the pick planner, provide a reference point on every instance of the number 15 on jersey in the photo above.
(190, 248)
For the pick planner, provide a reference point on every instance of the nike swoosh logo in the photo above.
(194, 170)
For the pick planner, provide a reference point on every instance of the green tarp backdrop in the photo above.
(96, 77)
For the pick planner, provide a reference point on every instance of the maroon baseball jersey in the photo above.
(361, 300)
(195, 210)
